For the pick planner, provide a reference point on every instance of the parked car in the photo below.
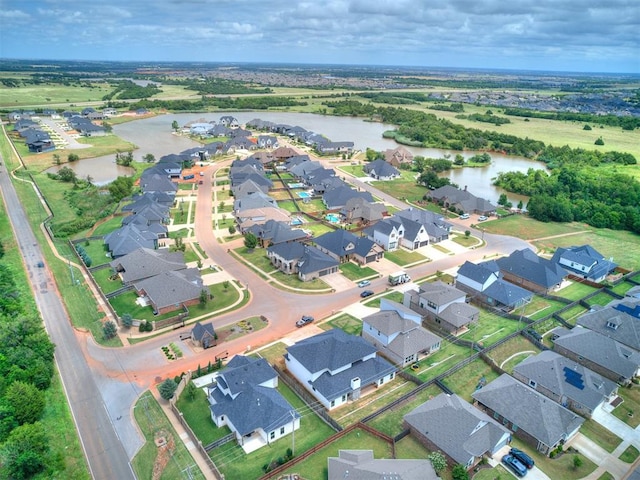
(305, 320)
(482, 218)
(464, 216)
(525, 459)
(366, 293)
(364, 283)
(514, 465)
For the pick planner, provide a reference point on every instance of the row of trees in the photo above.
(240, 103)
(126, 90)
(626, 123)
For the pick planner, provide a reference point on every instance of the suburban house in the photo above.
(145, 263)
(462, 200)
(442, 306)
(245, 399)
(128, 238)
(381, 170)
(397, 333)
(157, 183)
(525, 268)
(229, 121)
(387, 233)
(336, 367)
(484, 284)
(253, 200)
(398, 156)
(584, 262)
(171, 290)
(435, 224)
(203, 336)
(451, 425)
(246, 218)
(267, 141)
(360, 212)
(532, 417)
(566, 382)
(360, 464)
(337, 198)
(307, 262)
(273, 232)
(283, 153)
(344, 246)
(249, 186)
(597, 352)
(620, 321)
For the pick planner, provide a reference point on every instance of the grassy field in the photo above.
(154, 423)
(52, 95)
(466, 380)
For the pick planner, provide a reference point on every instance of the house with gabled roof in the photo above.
(229, 121)
(530, 271)
(171, 290)
(451, 425)
(361, 464)
(258, 216)
(396, 331)
(203, 335)
(344, 246)
(338, 197)
(619, 321)
(437, 227)
(252, 184)
(360, 212)
(387, 233)
(566, 382)
(144, 263)
(128, 238)
(307, 262)
(462, 200)
(267, 141)
(251, 200)
(245, 399)
(442, 306)
(336, 367)
(274, 232)
(584, 261)
(283, 153)
(157, 183)
(398, 156)
(536, 419)
(328, 147)
(484, 283)
(381, 170)
(597, 352)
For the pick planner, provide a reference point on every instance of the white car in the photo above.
(364, 283)
(464, 216)
(482, 218)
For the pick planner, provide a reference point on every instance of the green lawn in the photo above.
(346, 322)
(355, 272)
(601, 299)
(466, 380)
(52, 93)
(409, 447)
(404, 188)
(629, 410)
(234, 463)
(392, 295)
(622, 288)
(440, 361)
(572, 314)
(274, 353)
(559, 468)
(96, 251)
(153, 422)
(390, 422)
(197, 414)
(293, 281)
(497, 472)
(575, 291)
(540, 307)
(514, 346)
(405, 257)
(256, 258)
(102, 278)
(491, 328)
(630, 454)
(527, 228)
(600, 435)
(108, 226)
(606, 476)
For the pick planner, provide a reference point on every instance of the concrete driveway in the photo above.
(534, 474)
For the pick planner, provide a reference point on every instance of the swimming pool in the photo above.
(332, 217)
(296, 221)
(304, 195)
(296, 185)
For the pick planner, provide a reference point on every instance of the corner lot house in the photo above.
(245, 399)
(565, 382)
(336, 367)
(344, 246)
(584, 262)
(531, 416)
(360, 464)
(449, 424)
(397, 333)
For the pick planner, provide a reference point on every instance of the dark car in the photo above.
(306, 319)
(525, 459)
(366, 293)
(514, 465)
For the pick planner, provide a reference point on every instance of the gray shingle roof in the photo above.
(411, 337)
(172, 288)
(277, 232)
(360, 465)
(547, 370)
(338, 197)
(613, 323)
(199, 330)
(440, 293)
(526, 264)
(585, 255)
(128, 238)
(456, 427)
(531, 411)
(313, 260)
(144, 263)
(508, 294)
(381, 169)
(341, 243)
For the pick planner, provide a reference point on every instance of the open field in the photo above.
(51, 95)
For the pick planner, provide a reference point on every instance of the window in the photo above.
(496, 416)
(431, 304)
(612, 324)
(333, 403)
(532, 383)
(344, 398)
(381, 381)
(272, 435)
(222, 418)
(281, 430)
(514, 427)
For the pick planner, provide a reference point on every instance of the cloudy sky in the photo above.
(565, 35)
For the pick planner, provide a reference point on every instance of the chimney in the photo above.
(355, 383)
(465, 188)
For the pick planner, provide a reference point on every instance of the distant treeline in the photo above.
(240, 103)
(216, 86)
(626, 123)
(128, 90)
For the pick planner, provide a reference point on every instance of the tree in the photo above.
(149, 158)
(250, 240)
(175, 126)
(587, 127)
(25, 452)
(438, 461)
(191, 390)
(204, 297)
(459, 160)
(120, 188)
(167, 388)
(503, 199)
(599, 141)
(520, 205)
(459, 472)
(109, 329)
(127, 320)
(577, 462)
(56, 159)
(1, 250)
(26, 400)
(232, 229)
(72, 157)
(225, 285)
(65, 174)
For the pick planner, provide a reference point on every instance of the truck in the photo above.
(188, 177)
(399, 277)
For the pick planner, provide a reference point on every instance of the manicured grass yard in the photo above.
(575, 291)
(274, 353)
(405, 257)
(630, 454)
(527, 228)
(572, 314)
(96, 250)
(256, 258)
(492, 473)
(234, 463)
(559, 468)
(439, 362)
(540, 307)
(197, 414)
(106, 285)
(293, 281)
(108, 226)
(622, 288)
(315, 466)
(631, 405)
(600, 435)
(466, 380)
(392, 295)
(356, 272)
(126, 303)
(491, 328)
(390, 422)
(346, 322)
(403, 188)
(601, 298)
(152, 421)
(512, 347)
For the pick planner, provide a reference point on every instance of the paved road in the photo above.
(103, 449)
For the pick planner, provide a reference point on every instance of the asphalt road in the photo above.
(105, 454)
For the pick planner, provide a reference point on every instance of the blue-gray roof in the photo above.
(199, 330)
(529, 266)
(614, 322)
(313, 260)
(585, 255)
(381, 168)
(338, 197)
(341, 243)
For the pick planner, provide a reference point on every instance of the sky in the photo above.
(548, 35)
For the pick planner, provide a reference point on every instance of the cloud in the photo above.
(14, 15)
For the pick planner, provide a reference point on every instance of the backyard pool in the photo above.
(304, 195)
(296, 221)
(332, 217)
(296, 185)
